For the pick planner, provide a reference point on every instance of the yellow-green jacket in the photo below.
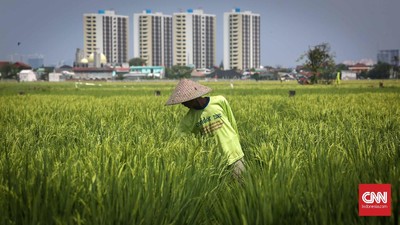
(217, 120)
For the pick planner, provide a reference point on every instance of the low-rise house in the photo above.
(348, 75)
(359, 67)
(224, 74)
(145, 72)
(92, 73)
(27, 76)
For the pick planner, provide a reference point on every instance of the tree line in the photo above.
(318, 59)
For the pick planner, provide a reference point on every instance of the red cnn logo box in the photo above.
(374, 199)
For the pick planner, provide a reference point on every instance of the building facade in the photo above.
(389, 56)
(36, 61)
(152, 38)
(106, 33)
(194, 39)
(241, 40)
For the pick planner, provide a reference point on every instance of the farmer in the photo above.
(210, 116)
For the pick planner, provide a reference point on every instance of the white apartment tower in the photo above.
(106, 33)
(152, 38)
(241, 40)
(194, 39)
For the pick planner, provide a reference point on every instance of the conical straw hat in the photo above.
(187, 90)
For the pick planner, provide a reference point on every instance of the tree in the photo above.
(380, 71)
(137, 62)
(341, 66)
(45, 74)
(319, 61)
(9, 70)
(177, 72)
(396, 68)
(362, 75)
(221, 65)
(256, 76)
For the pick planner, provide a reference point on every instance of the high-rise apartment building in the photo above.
(106, 33)
(194, 39)
(152, 38)
(389, 56)
(36, 61)
(241, 40)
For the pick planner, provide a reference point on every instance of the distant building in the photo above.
(389, 56)
(22, 66)
(194, 39)
(17, 65)
(359, 67)
(36, 61)
(241, 40)
(106, 33)
(145, 72)
(63, 68)
(348, 75)
(200, 72)
(94, 60)
(54, 77)
(80, 58)
(224, 74)
(152, 38)
(27, 76)
(268, 74)
(92, 73)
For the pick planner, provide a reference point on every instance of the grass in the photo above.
(110, 154)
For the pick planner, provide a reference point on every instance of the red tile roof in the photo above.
(22, 65)
(91, 69)
(359, 65)
(3, 63)
(119, 70)
(19, 65)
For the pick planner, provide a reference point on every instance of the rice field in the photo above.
(109, 153)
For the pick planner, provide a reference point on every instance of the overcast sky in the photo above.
(355, 29)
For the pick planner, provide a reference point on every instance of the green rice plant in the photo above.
(111, 154)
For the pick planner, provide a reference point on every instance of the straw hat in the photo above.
(187, 90)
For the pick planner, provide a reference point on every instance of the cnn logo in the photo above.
(371, 197)
(374, 200)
